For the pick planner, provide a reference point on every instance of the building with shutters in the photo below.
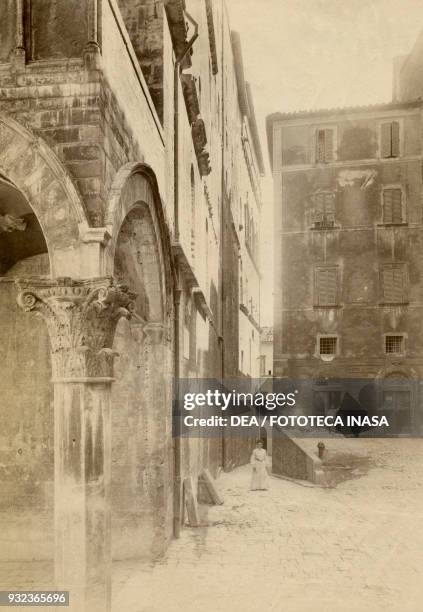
(348, 249)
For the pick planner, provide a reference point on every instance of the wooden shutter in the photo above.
(392, 206)
(319, 200)
(395, 139)
(326, 286)
(329, 135)
(329, 202)
(399, 284)
(385, 140)
(320, 145)
(388, 284)
(394, 284)
(324, 207)
(387, 206)
(397, 206)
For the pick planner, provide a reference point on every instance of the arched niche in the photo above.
(139, 256)
(138, 262)
(398, 391)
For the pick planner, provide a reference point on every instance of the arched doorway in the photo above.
(396, 400)
(26, 416)
(141, 490)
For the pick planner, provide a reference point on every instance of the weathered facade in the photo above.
(126, 158)
(348, 251)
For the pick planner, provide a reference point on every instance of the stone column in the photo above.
(20, 54)
(81, 318)
(92, 48)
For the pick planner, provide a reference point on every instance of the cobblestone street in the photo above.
(293, 548)
(355, 548)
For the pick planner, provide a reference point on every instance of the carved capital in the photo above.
(81, 318)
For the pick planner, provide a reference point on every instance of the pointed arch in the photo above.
(135, 193)
(28, 163)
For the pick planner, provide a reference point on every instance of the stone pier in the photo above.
(81, 317)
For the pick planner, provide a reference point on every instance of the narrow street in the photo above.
(357, 547)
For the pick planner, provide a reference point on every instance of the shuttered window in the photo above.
(326, 286)
(390, 139)
(324, 209)
(324, 145)
(392, 206)
(394, 284)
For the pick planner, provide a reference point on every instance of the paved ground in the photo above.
(355, 548)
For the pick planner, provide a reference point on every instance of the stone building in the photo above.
(348, 248)
(129, 218)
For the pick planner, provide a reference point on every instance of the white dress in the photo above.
(259, 475)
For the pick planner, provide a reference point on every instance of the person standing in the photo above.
(258, 462)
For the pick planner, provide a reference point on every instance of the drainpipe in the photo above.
(222, 234)
(176, 430)
(176, 74)
(177, 449)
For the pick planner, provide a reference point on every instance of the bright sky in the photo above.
(301, 54)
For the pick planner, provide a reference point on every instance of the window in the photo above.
(326, 286)
(392, 205)
(325, 145)
(394, 284)
(328, 345)
(324, 205)
(394, 345)
(390, 139)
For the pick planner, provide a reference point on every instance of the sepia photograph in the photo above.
(211, 284)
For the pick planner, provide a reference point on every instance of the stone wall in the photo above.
(144, 21)
(26, 426)
(359, 244)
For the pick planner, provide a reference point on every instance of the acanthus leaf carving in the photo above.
(81, 318)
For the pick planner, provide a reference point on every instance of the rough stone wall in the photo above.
(26, 426)
(140, 490)
(95, 120)
(55, 103)
(48, 31)
(144, 20)
(7, 29)
(359, 244)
